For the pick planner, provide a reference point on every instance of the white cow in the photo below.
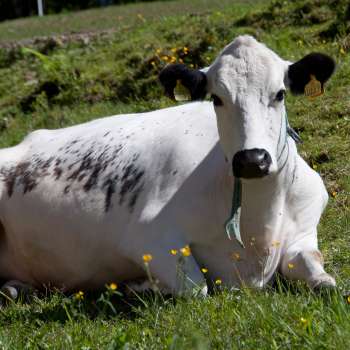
(80, 206)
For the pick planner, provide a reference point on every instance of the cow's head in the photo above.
(247, 83)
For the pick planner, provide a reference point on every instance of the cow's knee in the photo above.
(307, 266)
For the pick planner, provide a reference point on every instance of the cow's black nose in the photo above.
(251, 163)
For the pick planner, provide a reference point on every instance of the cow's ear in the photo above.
(195, 81)
(313, 66)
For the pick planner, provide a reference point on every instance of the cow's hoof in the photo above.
(326, 287)
(323, 282)
(14, 290)
(9, 292)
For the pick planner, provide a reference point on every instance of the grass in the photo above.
(129, 16)
(79, 80)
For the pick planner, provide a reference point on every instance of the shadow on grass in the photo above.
(54, 306)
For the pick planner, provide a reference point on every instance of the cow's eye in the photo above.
(216, 100)
(280, 95)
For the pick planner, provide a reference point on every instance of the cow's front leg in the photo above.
(306, 264)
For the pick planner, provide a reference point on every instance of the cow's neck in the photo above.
(263, 200)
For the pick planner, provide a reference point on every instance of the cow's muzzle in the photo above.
(251, 163)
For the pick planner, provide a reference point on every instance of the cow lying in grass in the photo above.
(90, 204)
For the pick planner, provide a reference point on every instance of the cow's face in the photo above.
(248, 83)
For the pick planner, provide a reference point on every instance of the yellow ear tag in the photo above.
(313, 88)
(181, 93)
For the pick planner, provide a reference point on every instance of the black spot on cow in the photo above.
(14, 175)
(85, 165)
(93, 178)
(25, 174)
(81, 177)
(90, 166)
(129, 181)
(134, 197)
(57, 171)
(47, 163)
(110, 186)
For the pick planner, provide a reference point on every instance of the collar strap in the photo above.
(232, 225)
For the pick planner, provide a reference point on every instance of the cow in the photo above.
(125, 197)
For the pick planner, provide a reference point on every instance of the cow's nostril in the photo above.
(252, 163)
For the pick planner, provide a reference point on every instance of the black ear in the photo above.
(194, 80)
(317, 64)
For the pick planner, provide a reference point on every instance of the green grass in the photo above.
(117, 73)
(228, 320)
(127, 17)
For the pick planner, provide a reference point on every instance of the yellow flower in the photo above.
(205, 270)
(113, 286)
(173, 251)
(158, 51)
(236, 256)
(348, 299)
(314, 166)
(172, 59)
(290, 266)
(79, 295)
(218, 281)
(181, 60)
(186, 251)
(276, 244)
(192, 65)
(334, 194)
(342, 51)
(252, 241)
(303, 320)
(147, 258)
(165, 58)
(173, 49)
(185, 50)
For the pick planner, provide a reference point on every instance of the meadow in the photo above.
(65, 69)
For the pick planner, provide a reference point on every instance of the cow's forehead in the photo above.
(245, 63)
